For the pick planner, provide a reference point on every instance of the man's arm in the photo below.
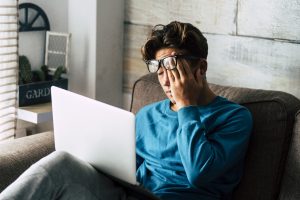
(206, 156)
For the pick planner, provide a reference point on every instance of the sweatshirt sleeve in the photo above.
(206, 156)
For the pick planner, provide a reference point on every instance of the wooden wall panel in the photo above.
(269, 18)
(133, 65)
(214, 16)
(232, 60)
(254, 63)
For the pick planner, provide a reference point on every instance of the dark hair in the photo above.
(183, 36)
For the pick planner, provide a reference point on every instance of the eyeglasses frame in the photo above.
(160, 63)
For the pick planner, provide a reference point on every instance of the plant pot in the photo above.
(39, 92)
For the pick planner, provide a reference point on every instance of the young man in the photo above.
(190, 146)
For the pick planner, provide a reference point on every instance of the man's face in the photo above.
(162, 73)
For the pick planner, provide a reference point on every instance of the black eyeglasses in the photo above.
(169, 62)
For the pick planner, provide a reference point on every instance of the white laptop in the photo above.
(95, 132)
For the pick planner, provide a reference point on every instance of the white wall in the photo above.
(82, 26)
(32, 44)
(109, 73)
(96, 49)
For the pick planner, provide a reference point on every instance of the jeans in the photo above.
(62, 176)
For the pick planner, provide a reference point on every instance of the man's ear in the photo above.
(203, 66)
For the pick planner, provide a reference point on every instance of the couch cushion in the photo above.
(273, 114)
(291, 180)
(145, 91)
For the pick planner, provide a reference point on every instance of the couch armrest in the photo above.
(291, 177)
(19, 154)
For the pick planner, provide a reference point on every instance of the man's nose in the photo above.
(166, 80)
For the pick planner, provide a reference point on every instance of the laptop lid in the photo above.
(95, 132)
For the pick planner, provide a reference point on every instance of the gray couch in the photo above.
(272, 168)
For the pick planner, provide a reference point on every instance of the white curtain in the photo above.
(8, 66)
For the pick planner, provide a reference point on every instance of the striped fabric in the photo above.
(8, 66)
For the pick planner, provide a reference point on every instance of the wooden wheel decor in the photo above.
(32, 18)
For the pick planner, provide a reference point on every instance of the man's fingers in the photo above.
(187, 68)
(175, 73)
(170, 76)
(181, 69)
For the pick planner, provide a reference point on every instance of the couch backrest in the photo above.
(273, 114)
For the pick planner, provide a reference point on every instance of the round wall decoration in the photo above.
(32, 18)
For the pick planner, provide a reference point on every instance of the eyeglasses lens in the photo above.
(153, 66)
(170, 63)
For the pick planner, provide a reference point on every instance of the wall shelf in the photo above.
(35, 113)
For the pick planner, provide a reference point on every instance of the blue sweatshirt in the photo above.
(195, 153)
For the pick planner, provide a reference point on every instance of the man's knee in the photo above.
(58, 162)
(59, 157)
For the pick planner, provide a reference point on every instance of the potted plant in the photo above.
(34, 85)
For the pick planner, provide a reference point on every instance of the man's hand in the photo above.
(185, 86)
